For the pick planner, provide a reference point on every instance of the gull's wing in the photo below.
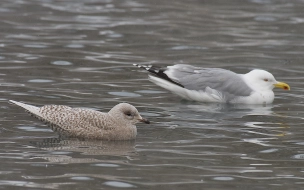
(65, 119)
(227, 83)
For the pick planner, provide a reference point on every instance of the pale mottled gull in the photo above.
(117, 124)
(215, 84)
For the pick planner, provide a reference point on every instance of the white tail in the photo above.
(29, 108)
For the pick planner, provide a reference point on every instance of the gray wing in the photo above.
(227, 82)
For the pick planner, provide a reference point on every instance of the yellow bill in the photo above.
(282, 85)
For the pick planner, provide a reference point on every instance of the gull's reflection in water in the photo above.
(63, 150)
(219, 111)
(249, 121)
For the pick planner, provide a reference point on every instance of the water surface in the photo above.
(80, 53)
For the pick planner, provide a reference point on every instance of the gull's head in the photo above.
(127, 113)
(263, 80)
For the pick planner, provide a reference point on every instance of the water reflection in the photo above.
(256, 124)
(86, 147)
(28, 184)
(218, 111)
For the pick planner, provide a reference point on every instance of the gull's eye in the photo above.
(129, 114)
(266, 80)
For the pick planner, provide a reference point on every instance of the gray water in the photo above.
(80, 53)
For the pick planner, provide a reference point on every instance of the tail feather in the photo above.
(35, 112)
(29, 108)
(159, 72)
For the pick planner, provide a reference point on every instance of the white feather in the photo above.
(210, 96)
(30, 108)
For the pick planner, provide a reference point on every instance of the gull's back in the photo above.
(75, 121)
(203, 84)
(196, 78)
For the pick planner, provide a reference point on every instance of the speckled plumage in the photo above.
(117, 124)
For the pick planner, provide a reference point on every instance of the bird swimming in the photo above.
(117, 124)
(215, 84)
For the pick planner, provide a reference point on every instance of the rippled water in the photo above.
(80, 53)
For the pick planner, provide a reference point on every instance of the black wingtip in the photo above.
(146, 67)
(157, 71)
